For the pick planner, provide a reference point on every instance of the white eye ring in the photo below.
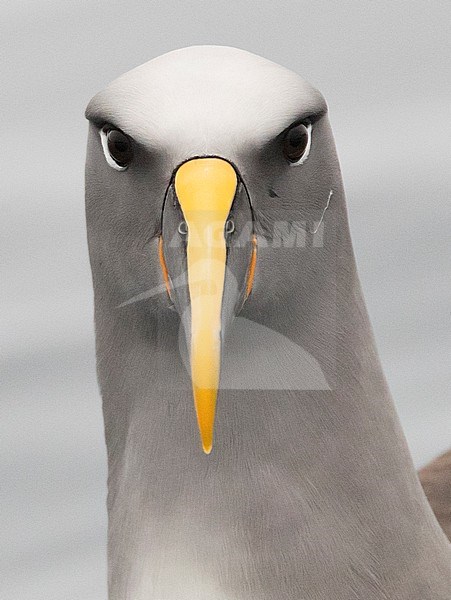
(109, 159)
(307, 150)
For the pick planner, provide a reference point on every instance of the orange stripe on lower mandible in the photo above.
(163, 266)
(250, 276)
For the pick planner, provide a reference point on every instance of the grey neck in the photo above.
(308, 493)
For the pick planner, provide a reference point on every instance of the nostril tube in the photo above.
(182, 228)
(230, 226)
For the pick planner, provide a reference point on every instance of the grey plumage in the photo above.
(310, 491)
(435, 478)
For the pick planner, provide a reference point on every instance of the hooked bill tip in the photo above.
(205, 401)
(207, 448)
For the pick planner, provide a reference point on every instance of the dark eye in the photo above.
(118, 147)
(296, 144)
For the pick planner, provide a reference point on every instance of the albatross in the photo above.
(254, 452)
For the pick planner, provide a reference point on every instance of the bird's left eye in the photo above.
(117, 147)
(297, 141)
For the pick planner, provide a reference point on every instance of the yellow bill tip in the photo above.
(207, 448)
(205, 404)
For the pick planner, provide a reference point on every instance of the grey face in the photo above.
(259, 147)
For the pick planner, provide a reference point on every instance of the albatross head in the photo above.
(201, 151)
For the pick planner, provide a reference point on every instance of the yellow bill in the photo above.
(205, 189)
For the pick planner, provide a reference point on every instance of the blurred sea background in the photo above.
(384, 69)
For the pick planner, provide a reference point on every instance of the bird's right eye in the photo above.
(117, 147)
(297, 141)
